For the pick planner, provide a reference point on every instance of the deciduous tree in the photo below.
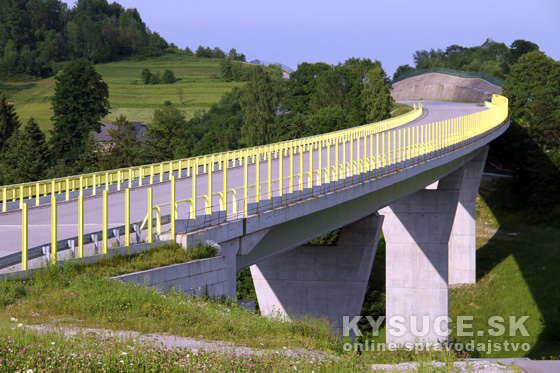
(376, 96)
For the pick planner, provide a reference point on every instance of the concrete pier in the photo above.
(323, 281)
(462, 243)
(417, 229)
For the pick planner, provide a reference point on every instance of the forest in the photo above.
(37, 37)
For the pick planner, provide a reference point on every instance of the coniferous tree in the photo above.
(123, 149)
(80, 101)
(9, 121)
(260, 103)
(26, 155)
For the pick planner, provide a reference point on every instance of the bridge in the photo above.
(415, 177)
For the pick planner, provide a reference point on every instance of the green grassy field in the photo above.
(198, 87)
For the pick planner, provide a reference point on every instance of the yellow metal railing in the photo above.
(146, 174)
(380, 148)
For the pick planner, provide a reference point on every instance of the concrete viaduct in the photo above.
(414, 179)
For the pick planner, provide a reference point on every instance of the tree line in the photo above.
(317, 98)
(37, 37)
(491, 57)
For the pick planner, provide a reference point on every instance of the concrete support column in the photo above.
(416, 231)
(324, 281)
(462, 243)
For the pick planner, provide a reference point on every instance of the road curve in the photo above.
(40, 217)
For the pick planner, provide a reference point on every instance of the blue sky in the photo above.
(291, 32)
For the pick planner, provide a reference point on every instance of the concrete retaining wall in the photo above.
(192, 278)
(441, 87)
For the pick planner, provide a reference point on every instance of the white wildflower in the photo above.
(13, 319)
(19, 325)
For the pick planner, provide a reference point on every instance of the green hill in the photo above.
(198, 87)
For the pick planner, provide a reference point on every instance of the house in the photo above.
(140, 130)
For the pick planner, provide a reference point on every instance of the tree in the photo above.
(520, 47)
(168, 135)
(532, 86)
(9, 121)
(80, 101)
(26, 155)
(123, 148)
(168, 77)
(376, 96)
(226, 68)
(260, 103)
(402, 70)
(146, 75)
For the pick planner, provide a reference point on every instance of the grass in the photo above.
(154, 258)
(77, 296)
(197, 88)
(517, 267)
(400, 109)
(84, 296)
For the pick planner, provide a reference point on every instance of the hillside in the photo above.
(198, 79)
(440, 87)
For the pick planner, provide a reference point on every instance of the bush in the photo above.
(168, 77)
(155, 79)
(146, 75)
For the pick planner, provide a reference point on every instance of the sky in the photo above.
(296, 31)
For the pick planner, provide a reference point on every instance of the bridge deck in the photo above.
(39, 217)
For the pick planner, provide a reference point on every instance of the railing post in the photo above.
(21, 196)
(209, 173)
(105, 221)
(258, 179)
(150, 237)
(281, 174)
(152, 170)
(344, 174)
(328, 179)
(81, 226)
(301, 174)
(4, 199)
(94, 186)
(67, 189)
(246, 184)
(310, 180)
(54, 238)
(140, 175)
(173, 208)
(224, 180)
(37, 194)
(194, 172)
(119, 179)
(24, 239)
(127, 219)
(269, 174)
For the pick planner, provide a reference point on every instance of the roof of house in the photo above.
(140, 130)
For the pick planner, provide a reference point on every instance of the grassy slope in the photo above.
(198, 79)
